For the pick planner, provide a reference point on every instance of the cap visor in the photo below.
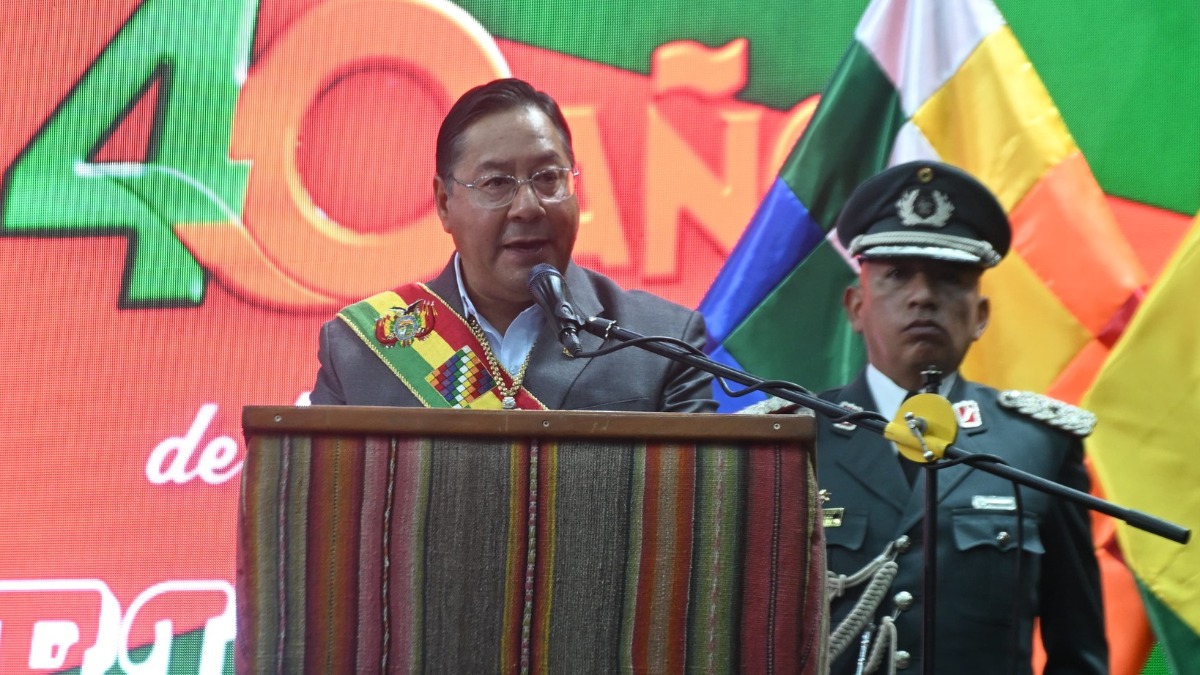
(931, 252)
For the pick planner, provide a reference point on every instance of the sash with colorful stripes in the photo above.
(429, 346)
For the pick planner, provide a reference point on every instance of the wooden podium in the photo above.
(402, 540)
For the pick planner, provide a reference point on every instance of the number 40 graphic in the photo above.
(197, 54)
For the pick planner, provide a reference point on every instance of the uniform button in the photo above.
(903, 600)
(903, 659)
(903, 543)
(1003, 538)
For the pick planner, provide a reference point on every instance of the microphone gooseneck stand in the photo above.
(928, 449)
(607, 329)
(933, 381)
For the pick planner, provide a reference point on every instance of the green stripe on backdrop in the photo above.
(1157, 663)
(799, 333)
(185, 655)
(794, 45)
(1124, 77)
(1182, 654)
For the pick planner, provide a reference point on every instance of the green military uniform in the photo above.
(986, 603)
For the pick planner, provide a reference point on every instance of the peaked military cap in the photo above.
(925, 210)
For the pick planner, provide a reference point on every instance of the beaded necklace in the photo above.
(508, 395)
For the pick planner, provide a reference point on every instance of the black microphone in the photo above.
(549, 289)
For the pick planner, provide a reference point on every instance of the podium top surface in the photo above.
(270, 420)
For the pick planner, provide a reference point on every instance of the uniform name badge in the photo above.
(989, 503)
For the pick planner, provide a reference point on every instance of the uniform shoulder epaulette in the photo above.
(774, 406)
(1049, 410)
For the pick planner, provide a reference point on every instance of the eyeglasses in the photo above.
(498, 190)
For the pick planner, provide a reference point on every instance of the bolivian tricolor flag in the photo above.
(1146, 446)
(928, 79)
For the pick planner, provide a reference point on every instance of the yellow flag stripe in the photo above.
(1147, 446)
(1025, 316)
(1013, 133)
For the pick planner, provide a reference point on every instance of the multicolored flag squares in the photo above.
(925, 79)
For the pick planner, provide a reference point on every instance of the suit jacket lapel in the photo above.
(552, 373)
(445, 285)
(870, 459)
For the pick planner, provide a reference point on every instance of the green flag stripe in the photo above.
(849, 139)
(799, 332)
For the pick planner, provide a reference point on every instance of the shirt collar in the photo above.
(888, 395)
(468, 306)
(512, 347)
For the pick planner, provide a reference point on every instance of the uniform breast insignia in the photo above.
(832, 517)
(968, 414)
(848, 426)
(1051, 411)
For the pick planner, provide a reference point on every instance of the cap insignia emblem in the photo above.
(917, 208)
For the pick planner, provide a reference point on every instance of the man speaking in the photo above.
(473, 337)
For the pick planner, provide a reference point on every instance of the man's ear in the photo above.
(441, 195)
(985, 312)
(852, 300)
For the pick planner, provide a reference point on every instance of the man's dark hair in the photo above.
(486, 99)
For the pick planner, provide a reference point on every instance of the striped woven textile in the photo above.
(394, 554)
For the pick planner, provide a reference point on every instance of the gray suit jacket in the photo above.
(631, 379)
(985, 608)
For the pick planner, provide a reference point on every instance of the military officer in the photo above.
(924, 232)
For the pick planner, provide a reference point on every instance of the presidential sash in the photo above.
(432, 350)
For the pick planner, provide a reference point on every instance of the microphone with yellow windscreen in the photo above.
(934, 418)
